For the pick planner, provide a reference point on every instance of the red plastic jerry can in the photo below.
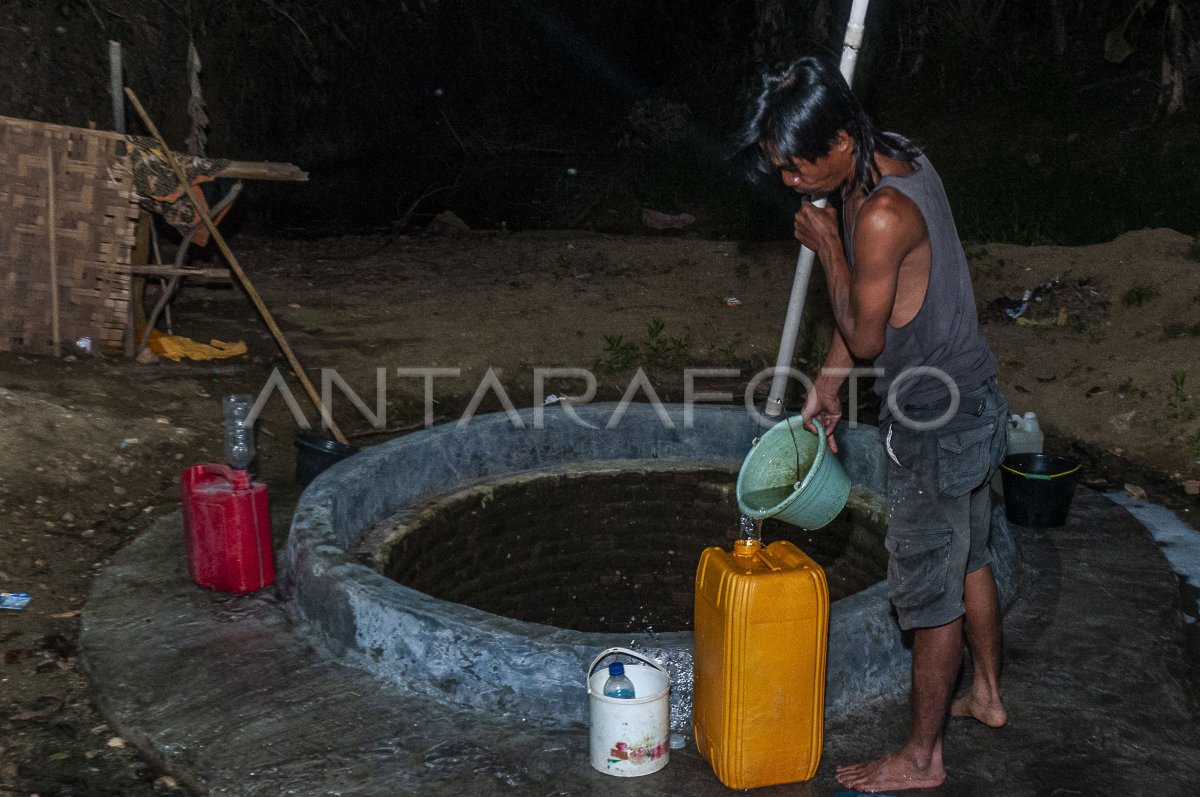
(227, 529)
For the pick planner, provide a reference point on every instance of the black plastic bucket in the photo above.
(1038, 489)
(315, 454)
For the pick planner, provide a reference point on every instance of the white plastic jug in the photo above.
(1025, 435)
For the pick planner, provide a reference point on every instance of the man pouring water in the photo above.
(902, 299)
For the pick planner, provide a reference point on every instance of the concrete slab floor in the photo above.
(223, 693)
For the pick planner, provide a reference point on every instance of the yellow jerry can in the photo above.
(762, 633)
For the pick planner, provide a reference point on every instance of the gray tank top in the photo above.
(944, 334)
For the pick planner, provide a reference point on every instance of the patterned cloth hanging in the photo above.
(158, 189)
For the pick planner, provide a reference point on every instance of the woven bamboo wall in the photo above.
(94, 219)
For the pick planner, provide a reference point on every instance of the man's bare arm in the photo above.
(822, 405)
(889, 227)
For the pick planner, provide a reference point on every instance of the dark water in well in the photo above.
(614, 552)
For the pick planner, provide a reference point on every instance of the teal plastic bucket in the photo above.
(791, 474)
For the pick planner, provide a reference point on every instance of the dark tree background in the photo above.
(1051, 120)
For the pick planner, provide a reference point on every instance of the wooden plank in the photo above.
(264, 170)
(52, 244)
(141, 256)
(217, 274)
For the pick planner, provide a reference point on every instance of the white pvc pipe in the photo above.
(791, 324)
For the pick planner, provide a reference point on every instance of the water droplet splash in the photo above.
(751, 527)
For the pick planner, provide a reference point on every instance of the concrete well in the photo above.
(496, 664)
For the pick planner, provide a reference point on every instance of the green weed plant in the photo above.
(1139, 295)
(1179, 403)
(656, 351)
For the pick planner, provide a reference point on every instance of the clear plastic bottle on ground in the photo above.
(239, 433)
(618, 684)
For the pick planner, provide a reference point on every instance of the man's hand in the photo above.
(825, 409)
(816, 228)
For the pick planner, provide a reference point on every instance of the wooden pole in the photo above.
(136, 315)
(52, 233)
(115, 80)
(236, 267)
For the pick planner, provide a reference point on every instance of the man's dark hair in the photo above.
(798, 113)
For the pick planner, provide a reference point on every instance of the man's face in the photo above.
(821, 176)
(807, 177)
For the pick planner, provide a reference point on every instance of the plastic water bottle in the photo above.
(239, 433)
(618, 684)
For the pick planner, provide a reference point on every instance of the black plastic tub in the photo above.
(315, 454)
(1038, 489)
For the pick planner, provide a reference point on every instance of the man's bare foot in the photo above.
(989, 711)
(894, 772)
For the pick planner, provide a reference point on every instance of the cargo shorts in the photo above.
(939, 502)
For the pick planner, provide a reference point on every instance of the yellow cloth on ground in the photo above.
(177, 347)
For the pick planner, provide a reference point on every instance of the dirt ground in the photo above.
(93, 445)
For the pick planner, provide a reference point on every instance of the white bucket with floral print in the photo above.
(630, 736)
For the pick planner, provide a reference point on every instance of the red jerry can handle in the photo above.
(240, 479)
